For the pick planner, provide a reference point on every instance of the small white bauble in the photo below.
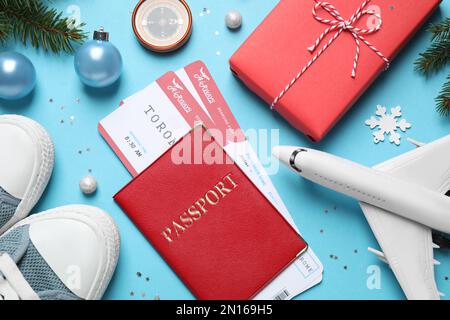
(233, 19)
(88, 185)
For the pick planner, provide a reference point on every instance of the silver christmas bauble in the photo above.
(88, 185)
(233, 19)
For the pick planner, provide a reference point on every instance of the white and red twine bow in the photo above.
(339, 25)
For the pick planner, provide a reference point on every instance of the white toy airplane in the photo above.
(408, 246)
(412, 185)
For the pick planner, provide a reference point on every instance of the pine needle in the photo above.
(443, 99)
(434, 58)
(5, 28)
(31, 21)
(440, 30)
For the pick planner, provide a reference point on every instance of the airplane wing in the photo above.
(408, 246)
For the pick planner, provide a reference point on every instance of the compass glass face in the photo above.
(162, 23)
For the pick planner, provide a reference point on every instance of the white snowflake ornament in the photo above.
(388, 124)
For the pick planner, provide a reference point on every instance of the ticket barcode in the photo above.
(283, 295)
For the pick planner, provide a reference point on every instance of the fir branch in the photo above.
(434, 58)
(5, 27)
(33, 22)
(440, 30)
(443, 99)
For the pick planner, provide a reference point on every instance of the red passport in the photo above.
(278, 50)
(216, 230)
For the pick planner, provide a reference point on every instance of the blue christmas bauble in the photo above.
(98, 63)
(17, 76)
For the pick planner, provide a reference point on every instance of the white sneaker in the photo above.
(67, 253)
(26, 164)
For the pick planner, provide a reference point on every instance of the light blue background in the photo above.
(344, 229)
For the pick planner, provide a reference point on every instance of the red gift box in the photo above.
(355, 40)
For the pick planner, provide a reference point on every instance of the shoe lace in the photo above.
(13, 285)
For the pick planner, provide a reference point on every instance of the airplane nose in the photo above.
(284, 154)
